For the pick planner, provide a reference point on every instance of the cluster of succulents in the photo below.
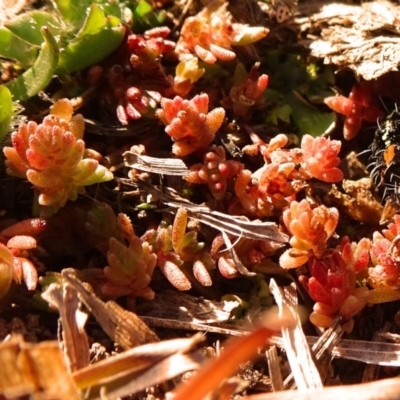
(196, 92)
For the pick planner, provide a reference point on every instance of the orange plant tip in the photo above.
(236, 352)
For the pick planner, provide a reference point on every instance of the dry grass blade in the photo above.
(122, 326)
(132, 361)
(368, 352)
(322, 352)
(132, 383)
(195, 326)
(238, 264)
(323, 348)
(183, 307)
(162, 166)
(359, 350)
(237, 226)
(328, 340)
(371, 371)
(387, 389)
(274, 369)
(299, 356)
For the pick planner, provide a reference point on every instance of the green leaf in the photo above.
(13, 47)
(27, 26)
(36, 78)
(309, 119)
(240, 74)
(102, 174)
(98, 38)
(73, 12)
(293, 74)
(144, 17)
(6, 111)
(142, 9)
(281, 112)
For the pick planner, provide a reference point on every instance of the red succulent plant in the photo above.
(357, 108)
(332, 286)
(320, 158)
(189, 123)
(310, 227)
(211, 34)
(52, 156)
(215, 171)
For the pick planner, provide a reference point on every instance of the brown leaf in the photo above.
(163, 166)
(363, 38)
(124, 327)
(75, 340)
(35, 370)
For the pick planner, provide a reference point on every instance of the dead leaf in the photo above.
(135, 361)
(235, 225)
(75, 340)
(122, 326)
(183, 307)
(162, 166)
(299, 355)
(365, 38)
(35, 370)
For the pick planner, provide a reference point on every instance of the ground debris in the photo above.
(365, 38)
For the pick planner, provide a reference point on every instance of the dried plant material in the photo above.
(386, 389)
(357, 202)
(122, 326)
(193, 326)
(134, 361)
(186, 308)
(323, 348)
(237, 263)
(365, 351)
(387, 354)
(238, 225)
(161, 372)
(274, 369)
(35, 370)
(302, 365)
(156, 165)
(10, 8)
(371, 371)
(390, 209)
(369, 352)
(362, 205)
(389, 336)
(75, 340)
(236, 352)
(322, 352)
(363, 38)
(235, 225)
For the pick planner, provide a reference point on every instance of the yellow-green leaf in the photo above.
(36, 78)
